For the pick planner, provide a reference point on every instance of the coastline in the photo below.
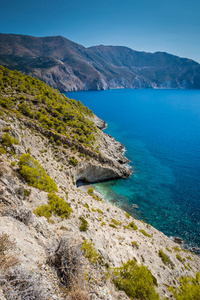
(185, 246)
(108, 226)
(46, 220)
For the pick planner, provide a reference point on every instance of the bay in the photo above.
(160, 130)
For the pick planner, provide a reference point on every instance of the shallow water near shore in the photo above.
(160, 130)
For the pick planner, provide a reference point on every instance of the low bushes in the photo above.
(165, 259)
(189, 288)
(35, 175)
(73, 161)
(145, 233)
(90, 191)
(55, 205)
(2, 151)
(115, 222)
(131, 226)
(90, 252)
(84, 224)
(59, 206)
(135, 245)
(136, 281)
(8, 140)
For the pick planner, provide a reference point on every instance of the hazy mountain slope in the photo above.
(68, 66)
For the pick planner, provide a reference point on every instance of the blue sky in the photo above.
(146, 25)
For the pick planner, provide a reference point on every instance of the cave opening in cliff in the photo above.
(82, 182)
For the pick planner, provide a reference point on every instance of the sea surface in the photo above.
(160, 130)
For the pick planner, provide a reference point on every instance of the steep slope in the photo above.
(159, 69)
(58, 241)
(68, 66)
(63, 120)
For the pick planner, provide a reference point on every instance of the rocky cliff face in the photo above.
(60, 240)
(35, 246)
(68, 66)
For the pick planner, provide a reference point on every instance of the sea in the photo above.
(160, 130)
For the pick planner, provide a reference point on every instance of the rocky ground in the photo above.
(35, 246)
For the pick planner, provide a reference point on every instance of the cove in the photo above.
(160, 130)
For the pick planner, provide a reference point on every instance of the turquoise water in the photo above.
(160, 130)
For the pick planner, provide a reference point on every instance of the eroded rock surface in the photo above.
(34, 240)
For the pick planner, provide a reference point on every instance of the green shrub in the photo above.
(2, 151)
(34, 174)
(25, 110)
(99, 211)
(59, 206)
(189, 257)
(84, 224)
(180, 258)
(127, 215)
(55, 205)
(87, 206)
(136, 281)
(90, 252)
(112, 225)
(176, 248)
(103, 223)
(168, 249)
(6, 129)
(131, 226)
(26, 192)
(107, 265)
(96, 198)
(145, 233)
(13, 163)
(135, 245)
(165, 259)
(73, 148)
(90, 191)
(115, 222)
(73, 161)
(8, 141)
(7, 103)
(43, 211)
(189, 288)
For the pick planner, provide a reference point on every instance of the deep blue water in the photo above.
(160, 130)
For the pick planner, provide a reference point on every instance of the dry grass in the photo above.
(78, 295)
(68, 260)
(15, 281)
(6, 259)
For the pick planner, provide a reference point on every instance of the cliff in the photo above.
(60, 241)
(68, 66)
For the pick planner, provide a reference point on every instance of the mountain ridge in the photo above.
(69, 66)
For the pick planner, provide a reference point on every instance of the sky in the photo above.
(172, 26)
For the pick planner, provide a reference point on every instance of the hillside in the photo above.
(68, 66)
(59, 241)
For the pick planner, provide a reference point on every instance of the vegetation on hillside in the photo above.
(34, 174)
(136, 281)
(55, 205)
(189, 288)
(29, 97)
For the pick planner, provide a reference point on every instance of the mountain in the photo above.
(68, 66)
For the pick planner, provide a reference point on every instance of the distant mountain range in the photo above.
(68, 66)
